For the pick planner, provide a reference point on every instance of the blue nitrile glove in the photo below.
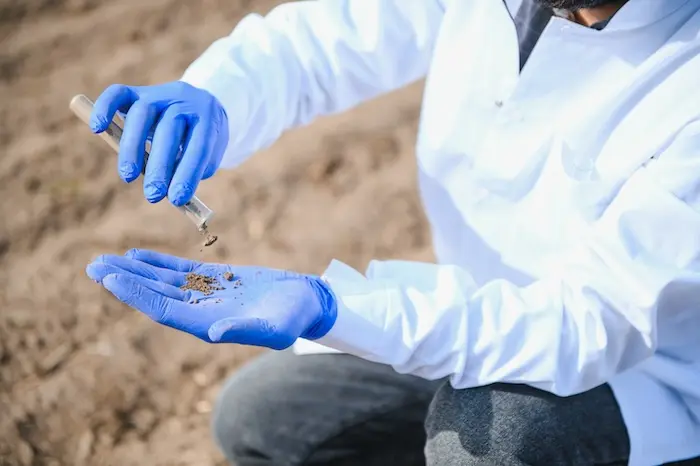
(257, 306)
(185, 117)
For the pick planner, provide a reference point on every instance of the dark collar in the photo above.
(599, 26)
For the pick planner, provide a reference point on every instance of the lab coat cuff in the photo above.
(361, 313)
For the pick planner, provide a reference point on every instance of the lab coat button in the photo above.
(499, 103)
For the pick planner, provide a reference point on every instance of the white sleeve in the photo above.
(600, 314)
(310, 58)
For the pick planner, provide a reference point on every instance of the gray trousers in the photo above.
(339, 410)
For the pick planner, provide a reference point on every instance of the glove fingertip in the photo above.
(128, 171)
(111, 281)
(121, 286)
(180, 193)
(98, 123)
(215, 334)
(95, 272)
(218, 329)
(155, 191)
(209, 172)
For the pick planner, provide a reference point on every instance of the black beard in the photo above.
(573, 5)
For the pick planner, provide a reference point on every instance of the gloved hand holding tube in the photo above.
(190, 136)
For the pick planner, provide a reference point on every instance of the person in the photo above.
(559, 164)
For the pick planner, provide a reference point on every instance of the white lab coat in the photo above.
(564, 200)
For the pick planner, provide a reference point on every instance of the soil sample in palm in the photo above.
(202, 283)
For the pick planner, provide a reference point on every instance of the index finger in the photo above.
(137, 267)
(116, 97)
(164, 261)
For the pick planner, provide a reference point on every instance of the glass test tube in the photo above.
(195, 209)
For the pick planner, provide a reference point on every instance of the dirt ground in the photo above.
(83, 379)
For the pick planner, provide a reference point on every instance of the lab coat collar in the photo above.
(640, 13)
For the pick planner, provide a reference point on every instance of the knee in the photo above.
(493, 423)
(259, 417)
(254, 421)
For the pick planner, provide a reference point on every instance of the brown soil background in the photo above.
(83, 379)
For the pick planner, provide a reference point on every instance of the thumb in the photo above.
(248, 331)
(231, 329)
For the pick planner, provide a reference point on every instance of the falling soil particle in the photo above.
(228, 276)
(197, 282)
(210, 239)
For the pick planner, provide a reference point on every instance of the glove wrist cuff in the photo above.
(328, 312)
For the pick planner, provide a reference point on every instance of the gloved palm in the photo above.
(257, 306)
(188, 142)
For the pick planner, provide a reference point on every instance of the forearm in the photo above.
(538, 335)
(590, 319)
(312, 58)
